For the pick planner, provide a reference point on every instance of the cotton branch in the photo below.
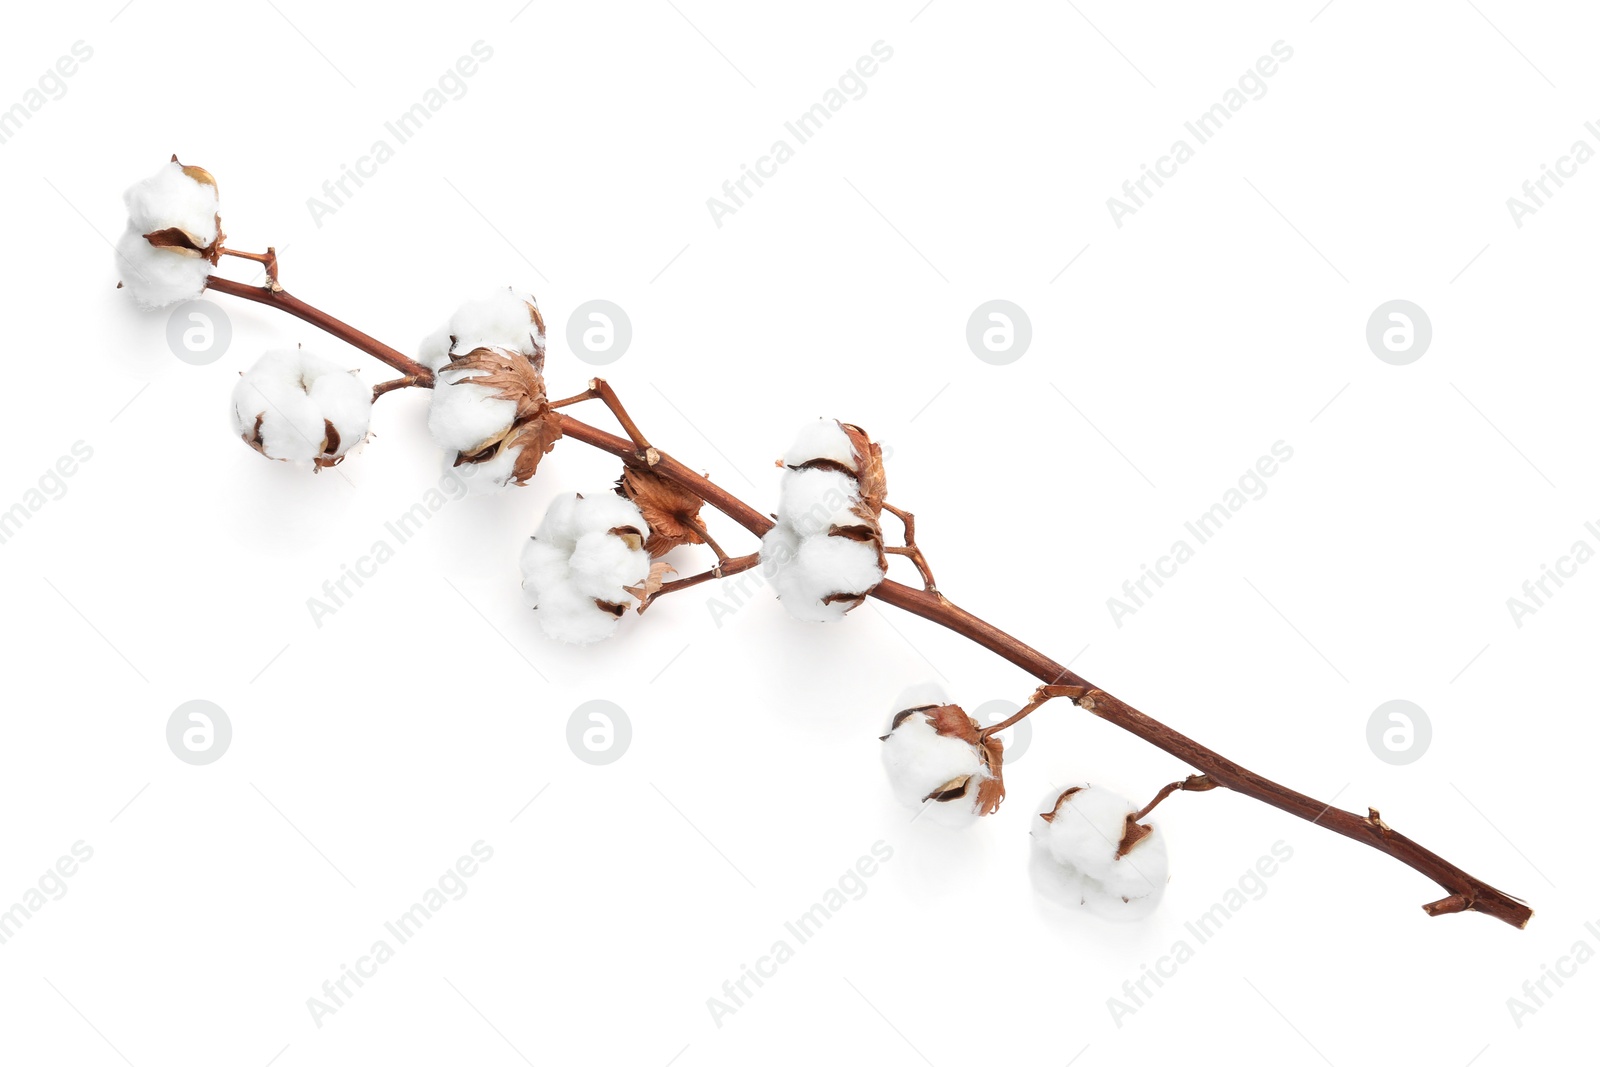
(1473, 894)
(1464, 892)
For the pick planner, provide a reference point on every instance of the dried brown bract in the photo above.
(981, 786)
(534, 428)
(672, 511)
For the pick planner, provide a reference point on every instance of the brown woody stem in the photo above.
(351, 336)
(694, 523)
(1479, 895)
(1041, 696)
(608, 396)
(910, 549)
(1465, 892)
(1195, 783)
(268, 259)
(671, 469)
(600, 390)
(727, 567)
(406, 382)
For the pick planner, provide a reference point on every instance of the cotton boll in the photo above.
(576, 570)
(565, 614)
(820, 576)
(780, 550)
(1075, 857)
(296, 405)
(560, 523)
(434, 351)
(921, 762)
(564, 521)
(544, 566)
(278, 418)
(822, 439)
(960, 814)
(1142, 870)
(500, 339)
(1109, 905)
(1086, 830)
(603, 565)
(599, 512)
(1062, 885)
(920, 695)
(343, 399)
(780, 547)
(505, 319)
(173, 198)
(806, 571)
(1096, 898)
(464, 417)
(779, 553)
(178, 205)
(813, 500)
(794, 593)
(1074, 890)
(489, 407)
(159, 277)
(832, 565)
(494, 475)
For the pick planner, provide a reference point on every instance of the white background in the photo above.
(1226, 315)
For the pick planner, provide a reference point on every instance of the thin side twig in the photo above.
(725, 569)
